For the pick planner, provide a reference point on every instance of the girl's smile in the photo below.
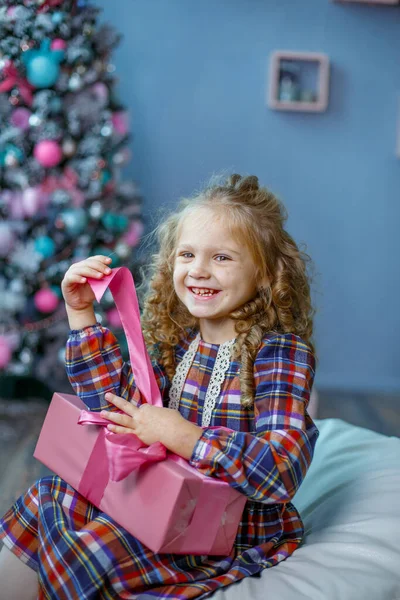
(214, 273)
(204, 293)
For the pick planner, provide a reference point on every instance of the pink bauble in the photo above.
(100, 90)
(11, 12)
(132, 236)
(46, 301)
(31, 201)
(58, 44)
(48, 153)
(20, 118)
(5, 352)
(120, 122)
(114, 318)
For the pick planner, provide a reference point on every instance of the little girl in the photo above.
(228, 320)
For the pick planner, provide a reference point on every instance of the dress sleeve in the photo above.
(268, 465)
(94, 366)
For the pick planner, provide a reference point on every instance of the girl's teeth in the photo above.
(203, 292)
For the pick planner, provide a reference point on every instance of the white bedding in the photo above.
(350, 504)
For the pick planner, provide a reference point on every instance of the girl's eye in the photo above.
(221, 258)
(186, 254)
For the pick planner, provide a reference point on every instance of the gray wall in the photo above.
(194, 76)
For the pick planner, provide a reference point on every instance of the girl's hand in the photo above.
(76, 291)
(153, 424)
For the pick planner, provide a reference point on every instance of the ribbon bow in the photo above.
(13, 78)
(125, 452)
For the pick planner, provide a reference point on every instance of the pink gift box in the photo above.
(168, 505)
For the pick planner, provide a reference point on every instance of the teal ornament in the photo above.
(43, 65)
(114, 222)
(75, 220)
(56, 289)
(105, 177)
(55, 105)
(108, 220)
(58, 17)
(103, 251)
(122, 223)
(11, 151)
(45, 246)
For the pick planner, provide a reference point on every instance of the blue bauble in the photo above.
(115, 223)
(43, 72)
(58, 17)
(43, 65)
(56, 105)
(122, 223)
(108, 220)
(56, 289)
(45, 246)
(11, 150)
(75, 220)
(105, 176)
(101, 251)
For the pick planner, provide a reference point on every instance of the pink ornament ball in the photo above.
(20, 118)
(48, 153)
(46, 301)
(58, 44)
(114, 318)
(11, 12)
(135, 231)
(5, 352)
(31, 201)
(120, 122)
(100, 91)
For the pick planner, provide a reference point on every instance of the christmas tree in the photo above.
(63, 144)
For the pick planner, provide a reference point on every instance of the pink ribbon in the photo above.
(123, 453)
(14, 79)
(121, 285)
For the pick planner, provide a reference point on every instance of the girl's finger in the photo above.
(74, 278)
(96, 262)
(90, 271)
(122, 404)
(118, 418)
(119, 429)
(102, 258)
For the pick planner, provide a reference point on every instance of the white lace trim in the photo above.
(217, 378)
(181, 373)
(221, 366)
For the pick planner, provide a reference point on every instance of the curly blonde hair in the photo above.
(283, 306)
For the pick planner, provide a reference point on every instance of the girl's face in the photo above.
(214, 273)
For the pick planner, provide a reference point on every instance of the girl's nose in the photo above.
(198, 271)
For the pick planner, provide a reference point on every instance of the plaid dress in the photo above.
(80, 552)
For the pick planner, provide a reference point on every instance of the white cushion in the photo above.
(350, 504)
